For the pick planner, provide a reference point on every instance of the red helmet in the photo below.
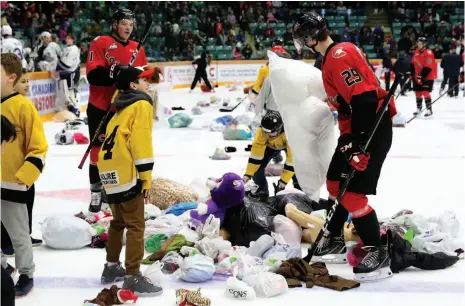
(278, 49)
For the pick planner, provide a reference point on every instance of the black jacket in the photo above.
(451, 64)
(402, 64)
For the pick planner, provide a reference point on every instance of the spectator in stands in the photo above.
(288, 40)
(158, 30)
(270, 17)
(269, 31)
(261, 52)
(237, 54)
(437, 52)
(341, 9)
(365, 35)
(232, 18)
(405, 43)
(458, 31)
(218, 27)
(335, 37)
(247, 51)
(443, 30)
(241, 36)
(378, 36)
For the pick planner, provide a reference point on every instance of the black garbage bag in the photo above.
(246, 223)
(301, 201)
(402, 256)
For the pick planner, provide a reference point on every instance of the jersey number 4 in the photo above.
(108, 144)
(351, 76)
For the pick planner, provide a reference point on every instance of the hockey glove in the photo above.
(420, 80)
(115, 69)
(351, 147)
(279, 187)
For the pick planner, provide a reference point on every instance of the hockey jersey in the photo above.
(348, 79)
(263, 73)
(70, 59)
(105, 51)
(12, 45)
(257, 153)
(424, 64)
(23, 159)
(125, 160)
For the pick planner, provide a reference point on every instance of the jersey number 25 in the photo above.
(351, 76)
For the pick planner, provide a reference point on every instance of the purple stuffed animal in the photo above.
(226, 192)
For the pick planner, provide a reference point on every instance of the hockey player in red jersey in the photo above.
(107, 55)
(423, 75)
(277, 46)
(353, 89)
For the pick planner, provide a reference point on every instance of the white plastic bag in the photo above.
(151, 212)
(266, 284)
(154, 273)
(239, 290)
(288, 229)
(67, 232)
(198, 185)
(211, 227)
(189, 234)
(196, 269)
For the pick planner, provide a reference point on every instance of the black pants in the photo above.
(6, 241)
(8, 290)
(387, 80)
(94, 116)
(402, 81)
(452, 80)
(201, 75)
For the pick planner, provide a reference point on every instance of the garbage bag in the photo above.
(225, 120)
(248, 222)
(301, 201)
(239, 132)
(66, 232)
(179, 120)
(197, 269)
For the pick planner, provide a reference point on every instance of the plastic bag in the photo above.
(284, 252)
(242, 119)
(301, 201)
(239, 290)
(246, 223)
(179, 120)
(196, 269)
(151, 212)
(211, 228)
(288, 229)
(199, 186)
(154, 273)
(180, 208)
(171, 262)
(66, 232)
(190, 234)
(239, 132)
(155, 242)
(272, 263)
(225, 120)
(266, 284)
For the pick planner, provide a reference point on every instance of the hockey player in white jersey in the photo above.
(51, 54)
(68, 72)
(12, 45)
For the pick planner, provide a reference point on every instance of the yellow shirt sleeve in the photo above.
(35, 143)
(262, 74)
(140, 142)
(257, 153)
(288, 171)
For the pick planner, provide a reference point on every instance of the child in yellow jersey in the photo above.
(125, 165)
(23, 160)
(269, 141)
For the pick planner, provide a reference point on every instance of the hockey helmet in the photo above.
(272, 122)
(123, 13)
(64, 138)
(421, 40)
(75, 124)
(277, 42)
(7, 30)
(308, 27)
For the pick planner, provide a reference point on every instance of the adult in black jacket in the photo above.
(402, 70)
(451, 64)
(387, 65)
(201, 71)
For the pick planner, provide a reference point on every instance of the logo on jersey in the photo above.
(113, 46)
(338, 53)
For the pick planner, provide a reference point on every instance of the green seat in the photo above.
(253, 27)
(223, 56)
(371, 55)
(199, 49)
(210, 48)
(362, 19)
(341, 24)
(281, 26)
(329, 18)
(332, 25)
(219, 48)
(339, 19)
(228, 48)
(353, 19)
(369, 48)
(212, 41)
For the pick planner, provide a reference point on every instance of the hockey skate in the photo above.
(331, 250)
(376, 265)
(417, 112)
(429, 112)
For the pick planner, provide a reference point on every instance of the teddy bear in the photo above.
(226, 192)
(112, 296)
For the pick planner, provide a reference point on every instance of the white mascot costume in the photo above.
(308, 121)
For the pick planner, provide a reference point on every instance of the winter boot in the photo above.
(23, 286)
(141, 286)
(332, 249)
(112, 273)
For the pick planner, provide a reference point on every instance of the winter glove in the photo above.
(420, 80)
(356, 156)
(279, 187)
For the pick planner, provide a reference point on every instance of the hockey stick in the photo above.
(403, 87)
(148, 16)
(351, 173)
(230, 109)
(437, 99)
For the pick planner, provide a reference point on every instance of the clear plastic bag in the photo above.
(239, 290)
(154, 273)
(266, 284)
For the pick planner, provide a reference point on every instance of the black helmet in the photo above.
(277, 42)
(272, 122)
(308, 27)
(421, 39)
(122, 13)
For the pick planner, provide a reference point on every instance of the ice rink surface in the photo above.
(424, 172)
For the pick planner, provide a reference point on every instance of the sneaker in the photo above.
(331, 250)
(96, 202)
(375, 265)
(23, 286)
(141, 286)
(8, 252)
(11, 270)
(36, 242)
(112, 274)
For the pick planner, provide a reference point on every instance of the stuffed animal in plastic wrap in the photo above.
(237, 132)
(225, 193)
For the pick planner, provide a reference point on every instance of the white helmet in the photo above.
(7, 30)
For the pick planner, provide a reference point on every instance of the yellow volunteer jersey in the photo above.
(125, 160)
(263, 73)
(24, 158)
(259, 145)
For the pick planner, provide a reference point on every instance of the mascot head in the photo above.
(229, 191)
